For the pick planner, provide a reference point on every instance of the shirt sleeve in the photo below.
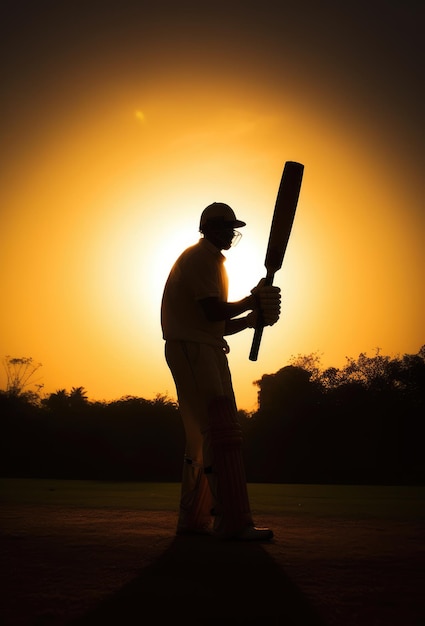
(206, 281)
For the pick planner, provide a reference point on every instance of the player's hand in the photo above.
(268, 299)
(268, 318)
(269, 311)
(266, 296)
(255, 291)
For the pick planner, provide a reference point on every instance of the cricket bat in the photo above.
(283, 217)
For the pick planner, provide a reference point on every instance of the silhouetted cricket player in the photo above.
(195, 317)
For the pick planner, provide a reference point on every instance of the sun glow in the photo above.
(109, 203)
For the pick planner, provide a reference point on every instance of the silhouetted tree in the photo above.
(78, 398)
(19, 375)
(359, 423)
(366, 423)
(57, 401)
(288, 406)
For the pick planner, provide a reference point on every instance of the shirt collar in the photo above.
(211, 248)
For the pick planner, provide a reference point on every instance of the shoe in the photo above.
(251, 533)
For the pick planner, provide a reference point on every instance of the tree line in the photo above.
(362, 423)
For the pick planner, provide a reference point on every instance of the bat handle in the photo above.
(256, 340)
(258, 333)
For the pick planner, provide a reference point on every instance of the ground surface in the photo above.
(87, 566)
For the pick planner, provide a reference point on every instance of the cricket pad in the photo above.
(196, 499)
(227, 477)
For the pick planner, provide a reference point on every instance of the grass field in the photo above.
(88, 553)
(336, 500)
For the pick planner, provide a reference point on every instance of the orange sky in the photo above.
(120, 126)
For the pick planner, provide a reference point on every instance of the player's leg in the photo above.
(207, 406)
(196, 501)
(223, 452)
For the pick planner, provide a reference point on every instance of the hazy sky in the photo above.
(120, 121)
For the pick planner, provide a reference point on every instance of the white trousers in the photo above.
(213, 471)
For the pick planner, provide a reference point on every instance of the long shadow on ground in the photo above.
(203, 581)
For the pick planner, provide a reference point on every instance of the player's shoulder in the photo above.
(194, 253)
(188, 254)
(200, 257)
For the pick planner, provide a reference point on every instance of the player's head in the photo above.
(218, 223)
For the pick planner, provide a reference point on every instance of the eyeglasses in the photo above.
(237, 236)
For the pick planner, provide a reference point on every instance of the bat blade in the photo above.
(280, 230)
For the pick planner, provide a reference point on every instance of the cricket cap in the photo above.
(219, 215)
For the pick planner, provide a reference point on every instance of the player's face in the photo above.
(222, 238)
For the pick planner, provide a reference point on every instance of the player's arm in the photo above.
(240, 323)
(264, 299)
(217, 310)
